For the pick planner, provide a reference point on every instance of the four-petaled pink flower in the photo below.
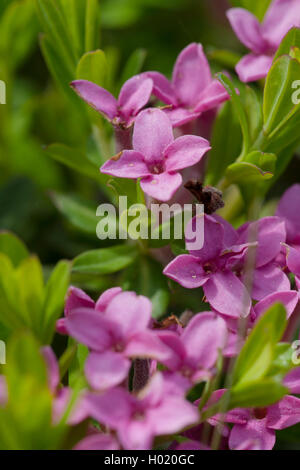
(115, 331)
(264, 38)
(192, 90)
(156, 157)
(138, 419)
(212, 268)
(134, 95)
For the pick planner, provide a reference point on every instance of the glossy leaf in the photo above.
(105, 260)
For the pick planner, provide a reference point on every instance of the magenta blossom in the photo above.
(138, 419)
(195, 352)
(254, 429)
(98, 441)
(262, 39)
(212, 268)
(192, 89)
(134, 95)
(156, 157)
(115, 331)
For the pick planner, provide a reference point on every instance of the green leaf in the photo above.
(29, 276)
(290, 40)
(78, 213)
(55, 293)
(226, 144)
(105, 260)
(92, 25)
(13, 247)
(52, 19)
(76, 160)
(283, 360)
(237, 103)
(253, 107)
(257, 394)
(278, 105)
(93, 67)
(258, 351)
(256, 167)
(59, 70)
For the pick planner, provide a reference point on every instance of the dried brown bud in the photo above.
(211, 198)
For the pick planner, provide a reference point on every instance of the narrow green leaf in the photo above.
(93, 67)
(105, 260)
(79, 214)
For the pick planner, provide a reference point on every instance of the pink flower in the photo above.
(156, 157)
(264, 38)
(192, 89)
(254, 429)
(116, 330)
(138, 419)
(212, 268)
(134, 95)
(195, 352)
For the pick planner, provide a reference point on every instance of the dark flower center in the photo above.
(260, 413)
(157, 168)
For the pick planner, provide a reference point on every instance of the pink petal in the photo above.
(280, 18)
(173, 415)
(162, 88)
(106, 297)
(205, 334)
(289, 299)
(97, 97)
(177, 349)
(152, 134)
(91, 329)
(213, 95)
(253, 67)
(130, 311)
(161, 187)
(191, 63)
(136, 435)
(230, 234)
(256, 431)
(77, 298)
(292, 381)
(293, 260)
(288, 209)
(248, 29)
(187, 271)
(180, 115)
(98, 442)
(267, 280)
(113, 408)
(129, 164)
(284, 414)
(213, 239)
(106, 370)
(270, 233)
(147, 345)
(185, 151)
(228, 295)
(134, 95)
(52, 367)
